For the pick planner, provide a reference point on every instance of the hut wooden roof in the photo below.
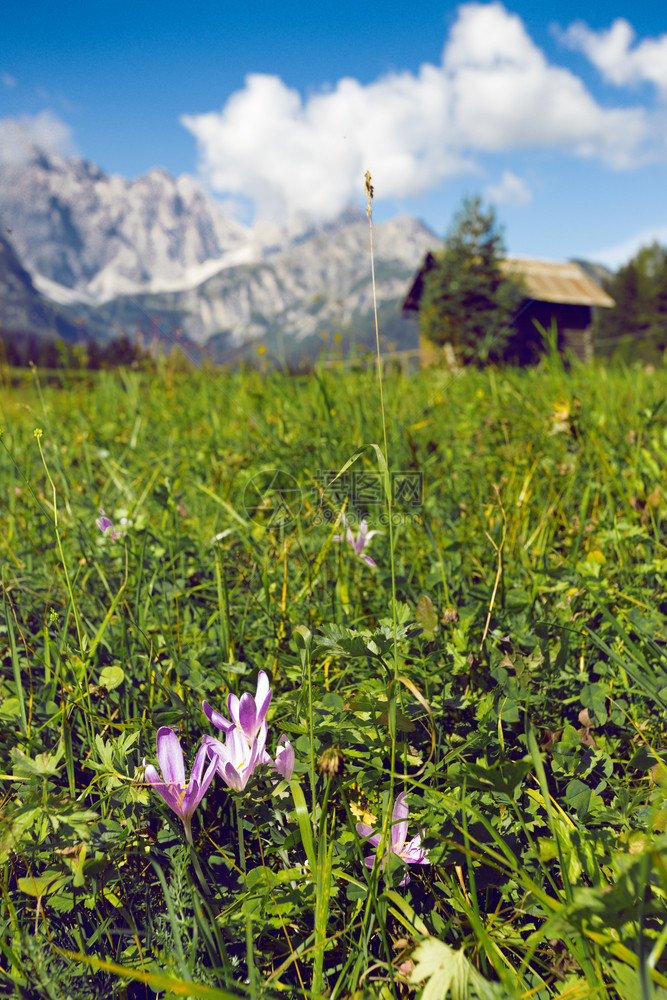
(563, 282)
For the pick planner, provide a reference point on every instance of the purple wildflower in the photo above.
(411, 853)
(181, 797)
(236, 758)
(361, 541)
(284, 762)
(247, 713)
(107, 527)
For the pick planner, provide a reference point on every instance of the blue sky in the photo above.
(559, 119)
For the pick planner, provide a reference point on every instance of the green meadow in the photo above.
(501, 669)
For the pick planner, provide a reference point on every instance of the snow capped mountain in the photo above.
(100, 236)
(158, 254)
(319, 285)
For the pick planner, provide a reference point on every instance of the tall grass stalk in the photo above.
(394, 690)
(73, 604)
(387, 477)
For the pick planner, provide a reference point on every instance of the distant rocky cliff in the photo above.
(159, 255)
(23, 311)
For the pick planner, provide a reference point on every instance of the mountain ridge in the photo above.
(23, 311)
(158, 256)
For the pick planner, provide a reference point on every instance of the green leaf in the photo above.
(111, 677)
(377, 642)
(105, 751)
(629, 986)
(449, 973)
(44, 765)
(644, 759)
(350, 642)
(426, 616)
(581, 797)
(10, 708)
(502, 779)
(40, 886)
(304, 821)
(261, 878)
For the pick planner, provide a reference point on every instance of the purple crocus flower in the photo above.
(411, 853)
(361, 541)
(247, 712)
(107, 527)
(181, 797)
(236, 759)
(284, 762)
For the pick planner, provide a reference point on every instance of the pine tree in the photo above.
(657, 330)
(637, 326)
(467, 301)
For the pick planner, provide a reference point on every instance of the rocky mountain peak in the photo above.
(131, 254)
(100, 235)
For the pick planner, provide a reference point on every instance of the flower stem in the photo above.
(250, 957)
(198, 871)
(239, 824)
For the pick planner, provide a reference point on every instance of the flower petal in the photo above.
(231, 777)
(170, 756)
(197, 773)
(247, 717)
(399, 822)
(284, 762)
(233, 707)
(260, 741)
(368, 834)
(263, 696)
(414, 854)
(103, 522)
(166, 792)
(214, 748)
(237, 747)
(197, 789)
(216, 719)
(263, 687)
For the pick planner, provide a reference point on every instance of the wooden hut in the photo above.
(560, 293)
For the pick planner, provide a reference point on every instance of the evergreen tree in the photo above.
(626, 316)
(120, 351)
(47, 354)
(12, 352)
(94, 352)
(637, 326)
(657, 316)
(467, 301)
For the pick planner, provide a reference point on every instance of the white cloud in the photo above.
(611, 52)
(20, 136)
(508, 97)
(619, 254)
(493, 92)
(8, 80)
(510, 190)
(291, 156)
